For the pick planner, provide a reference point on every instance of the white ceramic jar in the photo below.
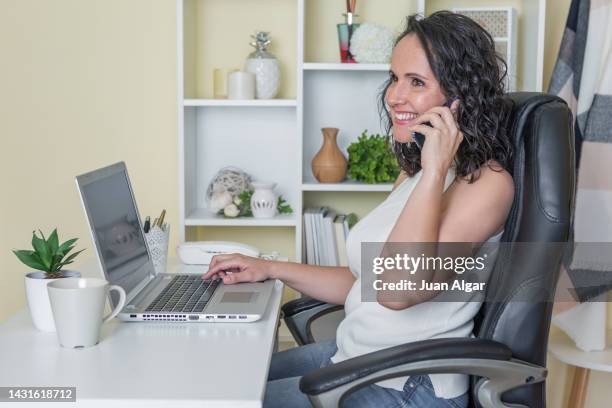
(264, 66)
(267, 76)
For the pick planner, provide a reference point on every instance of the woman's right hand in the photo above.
(442, 138)
(235, 268)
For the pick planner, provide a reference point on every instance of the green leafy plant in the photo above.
(243, 202)
(48, 255)
(352, 219)
(371, 160)
(283, 207)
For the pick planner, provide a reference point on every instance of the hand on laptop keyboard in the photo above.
(235, 268)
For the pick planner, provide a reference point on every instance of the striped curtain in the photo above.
(583, 77)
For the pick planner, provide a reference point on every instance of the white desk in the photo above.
(153, 364)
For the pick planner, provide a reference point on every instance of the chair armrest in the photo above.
(301, 305)
(300, 313)
(326, 387)
(350, 370)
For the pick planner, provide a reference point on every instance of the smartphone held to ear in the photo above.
(419, 138)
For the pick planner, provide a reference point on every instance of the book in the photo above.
(325, 233)
(308, 230)
(320, 238)
(330, 238)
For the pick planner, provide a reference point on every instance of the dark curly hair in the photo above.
(462, 56)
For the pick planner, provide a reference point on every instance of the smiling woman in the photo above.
(448, 56)
(455, 189)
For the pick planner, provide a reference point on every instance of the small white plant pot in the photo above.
(38, 298)
(263, 201)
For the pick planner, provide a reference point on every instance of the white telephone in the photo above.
(201, 253)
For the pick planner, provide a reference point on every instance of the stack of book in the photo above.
(325, 235)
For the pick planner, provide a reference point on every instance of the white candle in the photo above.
(241, 85)
(220, 82)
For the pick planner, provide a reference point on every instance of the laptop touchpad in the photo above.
(239, 297)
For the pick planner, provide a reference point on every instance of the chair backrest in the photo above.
(544, 178)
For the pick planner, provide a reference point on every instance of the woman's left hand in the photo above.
(441, 141)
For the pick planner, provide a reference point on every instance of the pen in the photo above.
(160, 221)
(147, 224)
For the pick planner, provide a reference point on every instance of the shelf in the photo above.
(316, 66)
(241, 102)
(347, 186)
(204, 217)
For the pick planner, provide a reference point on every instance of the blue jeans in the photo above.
(287, 367)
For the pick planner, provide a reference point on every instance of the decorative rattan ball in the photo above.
(231, 179)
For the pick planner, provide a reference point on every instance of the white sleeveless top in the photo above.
(370, 327)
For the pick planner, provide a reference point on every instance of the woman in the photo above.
(454, 189)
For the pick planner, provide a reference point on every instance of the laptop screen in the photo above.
(113, 218)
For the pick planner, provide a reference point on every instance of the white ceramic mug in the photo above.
(78, 307)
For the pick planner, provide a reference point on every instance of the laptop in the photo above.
(124, 257)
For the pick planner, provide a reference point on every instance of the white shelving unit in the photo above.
(276, 139)
(346, 186)
(203, 217)
(319, 66)
(234, 103)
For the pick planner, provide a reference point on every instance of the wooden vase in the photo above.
(329, 164)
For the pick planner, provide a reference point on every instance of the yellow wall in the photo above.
(86, 83)
(556, 14)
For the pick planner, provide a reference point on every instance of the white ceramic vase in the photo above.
(38, 298)
(263, 201)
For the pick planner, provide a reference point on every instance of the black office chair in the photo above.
(507, 358)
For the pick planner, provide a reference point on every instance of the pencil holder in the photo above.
(157, 240)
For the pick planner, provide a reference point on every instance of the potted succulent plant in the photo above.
(48, 257)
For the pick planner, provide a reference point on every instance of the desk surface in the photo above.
(147, 364)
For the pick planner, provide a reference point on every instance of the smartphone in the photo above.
(418, 137)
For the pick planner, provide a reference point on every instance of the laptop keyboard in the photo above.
(184, 294)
